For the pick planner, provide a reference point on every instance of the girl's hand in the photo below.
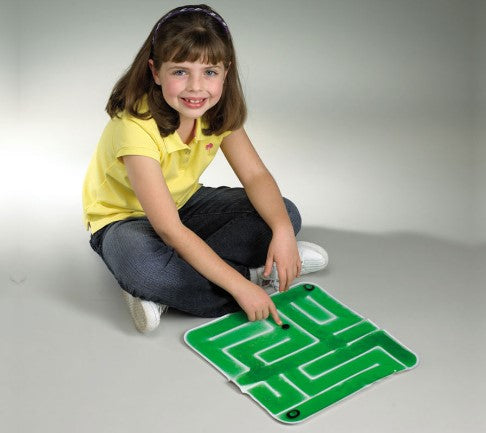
(256, 303)
(283, 251)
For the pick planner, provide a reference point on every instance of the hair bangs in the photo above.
(198, 46)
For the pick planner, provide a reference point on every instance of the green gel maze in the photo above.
(323, 353)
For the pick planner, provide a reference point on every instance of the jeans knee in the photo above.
(294, 215)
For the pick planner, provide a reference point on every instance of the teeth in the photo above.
(194, 101)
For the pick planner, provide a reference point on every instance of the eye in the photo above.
(211, 72)
(179, 72)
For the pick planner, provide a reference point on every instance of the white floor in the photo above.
(73, 362)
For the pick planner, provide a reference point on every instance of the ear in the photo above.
(226, 70)
(155, 73)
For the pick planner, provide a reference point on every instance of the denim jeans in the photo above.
(149, 269)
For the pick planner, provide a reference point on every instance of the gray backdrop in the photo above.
(369, 113)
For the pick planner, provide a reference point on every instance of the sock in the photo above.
(254, 275)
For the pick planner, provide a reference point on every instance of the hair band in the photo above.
(179, 11)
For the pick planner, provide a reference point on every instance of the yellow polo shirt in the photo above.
(107, 193)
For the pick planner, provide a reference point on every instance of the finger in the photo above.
(293, 275)
(268, 266)
(251, 316)
(287, 279)
(283, 281)
(274, 313)
(281, 278)
(258, 315)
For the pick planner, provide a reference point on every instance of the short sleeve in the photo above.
(131, 139)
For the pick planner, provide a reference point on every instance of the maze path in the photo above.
(323, 353)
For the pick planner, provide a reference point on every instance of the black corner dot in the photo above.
(309, 287)
(285, 326)
(293, 414)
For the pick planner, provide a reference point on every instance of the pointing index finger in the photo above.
(273, 310)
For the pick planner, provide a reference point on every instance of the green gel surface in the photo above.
(323, 353)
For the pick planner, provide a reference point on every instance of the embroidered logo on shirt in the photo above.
(209, 146)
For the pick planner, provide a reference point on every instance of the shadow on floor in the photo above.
(374, 268)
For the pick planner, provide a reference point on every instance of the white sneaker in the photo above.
(313, 258)
(145, 314)
(270, 283)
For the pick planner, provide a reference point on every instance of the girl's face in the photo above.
(191, 88)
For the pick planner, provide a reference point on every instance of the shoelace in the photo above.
(265, 284)
(273, 283)
(161, 308)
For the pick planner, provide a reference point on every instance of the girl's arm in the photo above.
(151, 190)
(264, 194)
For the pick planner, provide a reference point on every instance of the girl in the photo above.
(168, 240)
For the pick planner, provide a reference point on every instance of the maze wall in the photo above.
(322, 353)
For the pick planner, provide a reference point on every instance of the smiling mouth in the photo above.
(194, 101)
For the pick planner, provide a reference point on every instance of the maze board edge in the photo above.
(275, 416)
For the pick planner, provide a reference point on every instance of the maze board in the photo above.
(321, 354)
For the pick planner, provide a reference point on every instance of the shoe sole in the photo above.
(139, 315)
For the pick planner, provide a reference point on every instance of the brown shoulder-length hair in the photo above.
(179, 37)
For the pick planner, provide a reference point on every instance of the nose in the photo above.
(194, 83)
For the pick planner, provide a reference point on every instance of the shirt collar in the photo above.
(173, 142)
